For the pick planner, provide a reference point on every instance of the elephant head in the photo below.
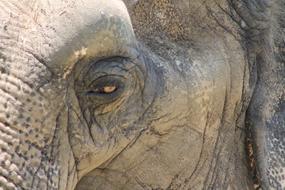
(162, 94)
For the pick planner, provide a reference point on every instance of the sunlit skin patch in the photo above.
(78, 55)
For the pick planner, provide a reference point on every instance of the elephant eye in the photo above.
(106, 88)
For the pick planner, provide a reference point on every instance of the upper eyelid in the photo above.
(111, 64)
(107, 75)
(90, 63)
(101, 74)
(103, 84)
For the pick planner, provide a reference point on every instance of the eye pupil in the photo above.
(107, 89)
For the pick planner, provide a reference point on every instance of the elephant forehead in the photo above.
(92, 29)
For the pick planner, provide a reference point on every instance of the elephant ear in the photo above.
(266, 113)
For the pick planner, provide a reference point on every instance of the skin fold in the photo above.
(136, 95)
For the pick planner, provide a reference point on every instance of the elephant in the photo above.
(142, 94)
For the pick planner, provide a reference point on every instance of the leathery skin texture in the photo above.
(142, 94)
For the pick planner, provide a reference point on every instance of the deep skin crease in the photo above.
(97, 95)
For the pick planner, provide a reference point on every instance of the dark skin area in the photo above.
(155, 95)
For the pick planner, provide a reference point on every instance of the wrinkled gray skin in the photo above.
(193, 80)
